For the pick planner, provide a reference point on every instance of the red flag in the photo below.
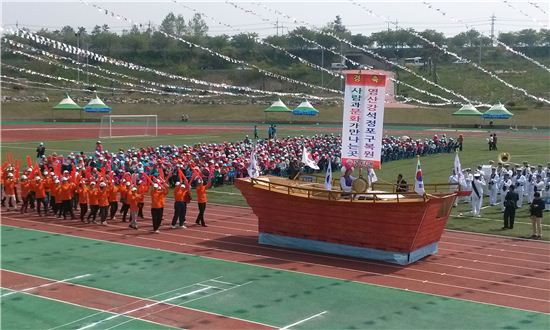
(29, 161)
(57, 169)
(161, 173)
(180, 175)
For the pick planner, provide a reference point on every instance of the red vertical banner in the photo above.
(363, 119)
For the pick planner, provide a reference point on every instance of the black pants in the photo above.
(39, 203)
(114, 208)
(509, 217)
(200, 216)
(25, 204)
(140, 211)
(93, 211)
(75, 201)
(180, 210)
(67, 208)
(83, 210)
(31, 199)
(156, 213)
(52, 204)
(124, 211)
(103, 211)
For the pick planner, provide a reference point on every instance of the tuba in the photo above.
(504, 157)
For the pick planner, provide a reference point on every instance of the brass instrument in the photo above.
(504, 157)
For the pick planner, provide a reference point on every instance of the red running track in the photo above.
(482, 268)
(50, 132)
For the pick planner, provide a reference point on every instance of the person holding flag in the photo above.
(201, 197)
(419, 180)
(477, 194)
(253, 168)
(307, 159)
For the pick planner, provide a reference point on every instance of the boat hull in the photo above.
(399, 232)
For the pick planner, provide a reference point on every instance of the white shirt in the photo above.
(343, 185)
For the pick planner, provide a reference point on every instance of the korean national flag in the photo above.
(418, 181)
(328, 177)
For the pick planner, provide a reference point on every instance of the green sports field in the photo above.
(270, 297)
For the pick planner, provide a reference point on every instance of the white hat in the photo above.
(102, 184)
(45, 172)
(92, 183)
(134, 189)
(477, 175)
(64, 179)
(128, 183)
(65, 171)
(10, 175)
(178, 183)
(56, 181)
(155, 185)
(37, 178)
(98, 141)
(24, 177)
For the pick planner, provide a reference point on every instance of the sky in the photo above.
(407, 13)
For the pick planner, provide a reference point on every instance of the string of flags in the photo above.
(453, 54)
(368, 51)
(498, 42)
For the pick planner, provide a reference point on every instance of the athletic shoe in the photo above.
(174, 227)
(156, 231)
(183, 226)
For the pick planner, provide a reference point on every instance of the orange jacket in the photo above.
(112, 189)
(201, 192)
(180, 193)
(123, 193)
(65, 191)
(158, 198)
(142, 190)
(9, 187)
(133, 199)
(25, 188)
(39, 189)
(83, 193)
(93, 196)
(48, 183)
(103, 197)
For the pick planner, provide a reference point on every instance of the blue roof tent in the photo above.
(497, 111)
(305, 109)
(96, 105)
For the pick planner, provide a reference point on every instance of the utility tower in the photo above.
(493, 29)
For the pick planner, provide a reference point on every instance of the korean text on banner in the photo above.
(363, 119)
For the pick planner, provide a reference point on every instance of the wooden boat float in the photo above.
(393, 227)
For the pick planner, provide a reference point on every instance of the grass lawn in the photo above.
(529, 145)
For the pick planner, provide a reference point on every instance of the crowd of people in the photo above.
(508, 187)
(395, 148)
(98, 182)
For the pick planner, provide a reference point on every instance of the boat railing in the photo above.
(309, 190)
(390, 187)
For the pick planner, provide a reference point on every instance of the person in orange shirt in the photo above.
(124, 190)
(9, 190)
(181, 195)
(158, 196)
(113, 202)
(25, 193)
(103, 201)
(133, 199)
(82, 192)
(201, 199)
(66, 194)
(39, 188)
(56, 196)
(93, 202)
(143, 188)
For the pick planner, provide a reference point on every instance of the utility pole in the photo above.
(277, 26)
(322, 65)
(493, 29)
(78, 57)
